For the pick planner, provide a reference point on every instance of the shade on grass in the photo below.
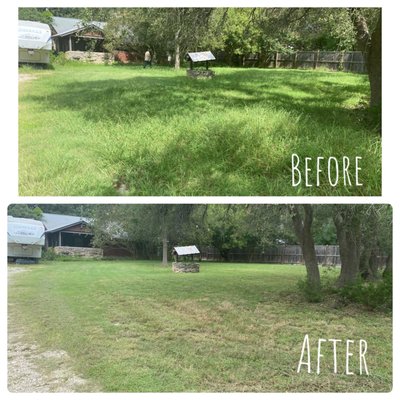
(139, 327)
(106, 130)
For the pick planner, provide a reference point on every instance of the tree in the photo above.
(42, 15)
(226, 228)
(173, 30)
(347, 219)
(80, 210)
(368, 33)
(302, 217)
(363, 232)
(143, 225)
(25, 211)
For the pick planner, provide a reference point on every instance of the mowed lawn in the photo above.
(123, 130)
(134, 326)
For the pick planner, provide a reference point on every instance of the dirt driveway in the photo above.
(33, 369)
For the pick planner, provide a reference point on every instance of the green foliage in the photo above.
(312, 293)
(25, 211)
(375, 295)
(42, 15)
(49, 254)
(58, 59)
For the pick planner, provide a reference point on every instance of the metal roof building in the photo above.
(72, 34)
(67, 230)
(65, 26)
(55, 222)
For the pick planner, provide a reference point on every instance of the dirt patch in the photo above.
(26, 77)
(30, 369)
(15, 270)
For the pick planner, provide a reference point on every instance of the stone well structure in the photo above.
(185, 266)
(200, 73)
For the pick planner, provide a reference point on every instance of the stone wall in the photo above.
(90, 57)
(185, 267)
(84, 252)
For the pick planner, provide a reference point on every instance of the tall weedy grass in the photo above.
(107, 130)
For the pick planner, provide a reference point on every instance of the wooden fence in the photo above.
(285, 254)
(348, 61)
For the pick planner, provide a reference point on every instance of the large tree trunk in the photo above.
(164, 233)
(371, 46)
(165, 251)
(389, 266)
(369, 264)
(177, 56)
(302, 229)
(374, 64)
(178, 40)
(368, 256)
(348, 230)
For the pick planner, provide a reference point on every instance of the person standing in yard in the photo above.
(147, 59)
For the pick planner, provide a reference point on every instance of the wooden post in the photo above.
(207, 65)
(341, 63)
(326, 255)
(316, 58)
(70, 43)
(351, 62)
(276, 59)
(294, 62)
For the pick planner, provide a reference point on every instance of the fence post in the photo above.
(352, 61)
(316, 59)
(294, 62)
(326, 255)
(341, 62)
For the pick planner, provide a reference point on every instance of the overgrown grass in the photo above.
(138, 327)
(110, 130)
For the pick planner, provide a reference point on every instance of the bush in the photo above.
(312, 293)
(375, 295)
(58, 58)
(49, 254)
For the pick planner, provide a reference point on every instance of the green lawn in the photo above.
(112, 130)
(136, 326)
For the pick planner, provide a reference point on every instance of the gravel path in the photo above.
(30, 369)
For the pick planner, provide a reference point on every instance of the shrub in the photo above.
(49, 254)
(375, 295)
(312, 293)
(58, 58)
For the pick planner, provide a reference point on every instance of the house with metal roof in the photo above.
(67, 230)
(71, 34)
